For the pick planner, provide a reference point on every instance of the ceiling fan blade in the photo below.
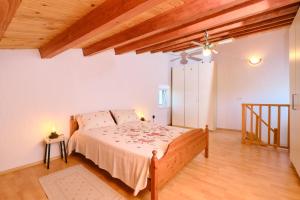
(211, 45)
(197, 52)
(197, 49)
(195, 58)
(226, 41)
(214, 51)
(173, 54)
(174, 59)
(197, 43)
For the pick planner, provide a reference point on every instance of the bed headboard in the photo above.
(73, 125)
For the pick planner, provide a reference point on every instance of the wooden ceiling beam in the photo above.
(107, 15)
(278, 26)
(243, 32)
(231, 32)
(212, 40)
(262, 24)
(271, 15)
(209, 23)
(191, 46)
(262, 29)
(167, 44)
(8, 10)
(166, 49)
(194, 37)
(191, 11)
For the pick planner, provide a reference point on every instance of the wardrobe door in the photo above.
(191, 96)
(207, 95)
(178, 96)
(292, 62)
(295, 136)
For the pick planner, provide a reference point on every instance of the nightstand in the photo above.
(62, 146)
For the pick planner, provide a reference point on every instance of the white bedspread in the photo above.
(125, 151)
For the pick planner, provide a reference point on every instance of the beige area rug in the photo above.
(77, 183)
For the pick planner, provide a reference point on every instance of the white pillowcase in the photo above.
(95, 120)
(123, 116)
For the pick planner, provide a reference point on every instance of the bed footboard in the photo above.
(181, 151)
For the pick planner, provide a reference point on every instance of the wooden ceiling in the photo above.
(134, 25)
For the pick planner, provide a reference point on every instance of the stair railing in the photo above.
(254, 133)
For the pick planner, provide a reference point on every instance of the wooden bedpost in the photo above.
(154, 189)
(207, 141)
(73, 125)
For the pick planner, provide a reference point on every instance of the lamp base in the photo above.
(53, 135)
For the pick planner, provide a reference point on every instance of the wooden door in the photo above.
(191, 105)
(295, 137)
(294, 57)
(178, 96)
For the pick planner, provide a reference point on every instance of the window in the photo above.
(163, 96)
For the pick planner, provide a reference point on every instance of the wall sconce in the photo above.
(254, 60)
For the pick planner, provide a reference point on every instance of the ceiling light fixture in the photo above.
(206, 52)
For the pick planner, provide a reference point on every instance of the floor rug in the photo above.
(76, 183)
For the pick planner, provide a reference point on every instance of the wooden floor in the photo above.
(233, 171)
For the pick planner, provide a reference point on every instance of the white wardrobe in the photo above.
(294, 50)
(194, 95)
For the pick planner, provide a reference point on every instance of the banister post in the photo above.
(244, 123)
(251, 124)
(256, 128)
(275, 140)
(153, 167)
(259, 126)
(207, 141)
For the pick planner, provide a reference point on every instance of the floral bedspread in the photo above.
(125, 150)
(138, 135)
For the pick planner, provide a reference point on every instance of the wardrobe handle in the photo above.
(293, 102)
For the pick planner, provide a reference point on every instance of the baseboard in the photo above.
(294, 168)
(228, 129)
(26, 166)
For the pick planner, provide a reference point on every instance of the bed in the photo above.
(136, 152)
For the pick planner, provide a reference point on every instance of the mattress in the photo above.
(125, 150)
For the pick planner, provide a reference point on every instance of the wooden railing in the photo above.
(272, 136)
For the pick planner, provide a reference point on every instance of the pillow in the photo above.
(95, 120)
(123, 116)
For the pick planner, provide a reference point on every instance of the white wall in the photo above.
(238, 82)
(36, 93)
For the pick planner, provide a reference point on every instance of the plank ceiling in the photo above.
(163, 25)
(37, 22)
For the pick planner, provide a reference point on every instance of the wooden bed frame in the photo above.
(180, 152)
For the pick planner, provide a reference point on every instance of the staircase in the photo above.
(260, 126)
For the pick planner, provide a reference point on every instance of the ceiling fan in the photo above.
(184, 56)
(207, 48)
